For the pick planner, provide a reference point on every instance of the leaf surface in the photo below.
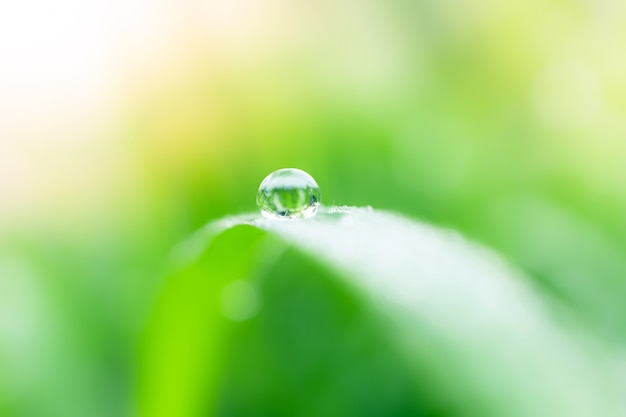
(356, 299)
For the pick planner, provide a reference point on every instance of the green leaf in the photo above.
(361, 313)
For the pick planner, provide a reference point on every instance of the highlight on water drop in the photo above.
(288, 193)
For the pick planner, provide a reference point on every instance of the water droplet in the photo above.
(288, 194)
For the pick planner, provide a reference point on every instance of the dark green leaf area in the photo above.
(314, 349)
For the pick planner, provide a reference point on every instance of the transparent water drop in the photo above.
(288, 193)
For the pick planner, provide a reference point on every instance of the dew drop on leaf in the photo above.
(288, 193)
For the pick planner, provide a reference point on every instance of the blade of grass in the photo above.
(480, 339)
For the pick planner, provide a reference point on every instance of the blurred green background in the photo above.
(125, 126)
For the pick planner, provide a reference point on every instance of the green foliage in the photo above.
(503, 121)
(361, 313)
